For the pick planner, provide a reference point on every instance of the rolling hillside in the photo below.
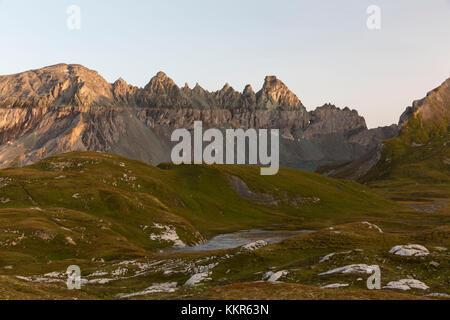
(64, 196)
(112, 216)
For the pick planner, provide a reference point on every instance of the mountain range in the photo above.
(64, 108)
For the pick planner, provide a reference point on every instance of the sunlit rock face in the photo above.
(433, 109)
(65, 108)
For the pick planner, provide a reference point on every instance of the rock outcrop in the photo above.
(434, 108)
(65, 108)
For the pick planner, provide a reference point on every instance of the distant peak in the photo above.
(120, 81)
(226, 87)
(248, 90)
(270, 78)
(276, 94)
(161, 75)
(272, 82)
(160, 82)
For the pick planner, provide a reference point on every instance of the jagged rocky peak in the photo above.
(56, 85)
(227, 98)
(120, 86)
(160, 84)
(226, 87)
(329, 119)
(276, 94)
(248, 100)
(120, 83)
(248, 91)
(198, 89)
(228, 90)
(329, 109)
(186, 89)
(433, 109)
(124, 92)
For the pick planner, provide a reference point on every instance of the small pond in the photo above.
(234, 240)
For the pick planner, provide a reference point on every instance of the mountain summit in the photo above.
(57, 85)
(275, 94)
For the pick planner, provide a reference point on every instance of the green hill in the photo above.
(104, 197)
(112, 216)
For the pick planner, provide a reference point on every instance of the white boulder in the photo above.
(273, 277)
(373, 226)
(254, 245)
(438, 295)
(410, 250)
(327, 257)
(197, 278)
(406, 284)
(335, 286)
(352, 269)
(155, 288)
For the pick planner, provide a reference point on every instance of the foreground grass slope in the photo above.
(108, 205)
(238, 275)
(112, 216)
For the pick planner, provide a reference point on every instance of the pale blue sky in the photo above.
(321, 49)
